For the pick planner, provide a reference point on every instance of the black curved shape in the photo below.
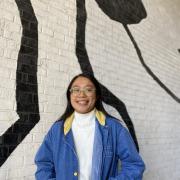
(131, 12)
(148, 70)
(26, 83)
(83, 59)
(123, 11)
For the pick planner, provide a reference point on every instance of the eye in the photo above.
(89, 89)
(74, 90)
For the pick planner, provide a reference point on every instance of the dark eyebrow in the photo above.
(88, 86)
(75, 87)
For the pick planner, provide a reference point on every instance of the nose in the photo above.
(82, 93)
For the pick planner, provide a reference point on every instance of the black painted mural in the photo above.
(148, 70)
(26, 83)
(132, 12)
(124, 12)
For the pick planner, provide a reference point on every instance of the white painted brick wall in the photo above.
(155, 114)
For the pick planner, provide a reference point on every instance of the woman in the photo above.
(87, 143)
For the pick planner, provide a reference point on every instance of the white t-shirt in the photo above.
(83, 128)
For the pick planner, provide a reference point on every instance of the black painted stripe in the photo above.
(26, 83)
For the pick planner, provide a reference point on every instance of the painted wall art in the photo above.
(124, 12)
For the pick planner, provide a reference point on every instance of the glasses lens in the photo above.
(89, 91)
(75, 91)
(86, 91)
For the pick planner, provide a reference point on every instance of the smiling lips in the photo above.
(82, 102)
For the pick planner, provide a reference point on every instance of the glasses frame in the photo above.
(84, 90)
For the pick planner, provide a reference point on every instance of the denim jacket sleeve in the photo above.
(44, 160)
(132, 166)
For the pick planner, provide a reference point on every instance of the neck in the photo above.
(85, 114)
(84, 119)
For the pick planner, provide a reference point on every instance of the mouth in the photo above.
(82, 102)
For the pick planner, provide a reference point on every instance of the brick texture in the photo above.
(155, 112)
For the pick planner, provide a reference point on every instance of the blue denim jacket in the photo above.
(56, 158)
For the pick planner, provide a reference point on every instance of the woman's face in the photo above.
(83, 95)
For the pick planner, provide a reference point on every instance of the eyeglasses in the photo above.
(87, 91)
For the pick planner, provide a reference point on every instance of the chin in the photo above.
(83, 111)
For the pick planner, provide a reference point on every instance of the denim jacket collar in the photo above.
(68, 122)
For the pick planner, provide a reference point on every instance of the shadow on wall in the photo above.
(26, 83)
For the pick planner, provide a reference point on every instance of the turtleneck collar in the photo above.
(68, 121)
(83, 120)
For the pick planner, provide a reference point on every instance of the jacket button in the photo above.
(75, 173)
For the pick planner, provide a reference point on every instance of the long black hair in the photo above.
(98, 105)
